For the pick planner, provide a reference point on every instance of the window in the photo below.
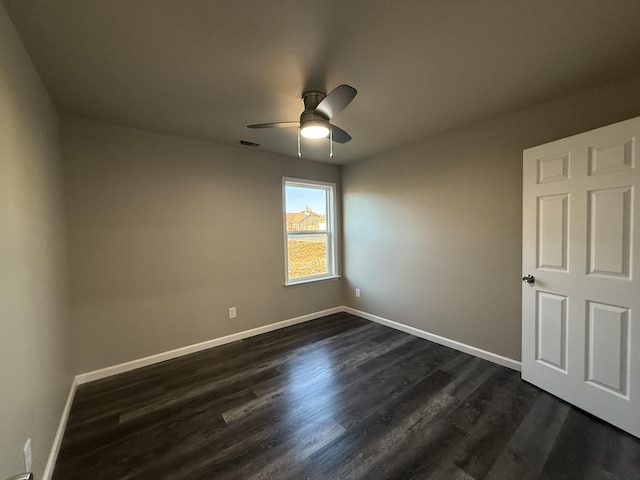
(310, 240)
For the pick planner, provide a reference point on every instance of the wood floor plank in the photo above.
(336, 398)
(492, 432)
(445, 435)
(528, 450)
(586, 447)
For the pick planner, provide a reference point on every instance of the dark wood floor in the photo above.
(339, 398)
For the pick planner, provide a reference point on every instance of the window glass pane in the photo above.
(307, 255)
(306, 208)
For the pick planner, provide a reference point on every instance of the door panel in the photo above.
(551, 330)
(607, 348)
(581, 218)
(553, 169)
(552, 231)
(609, 224)
(611, 158)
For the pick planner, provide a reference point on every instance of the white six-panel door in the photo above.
(581, 243)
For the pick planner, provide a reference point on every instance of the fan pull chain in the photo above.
(330, 142)
(299, 152)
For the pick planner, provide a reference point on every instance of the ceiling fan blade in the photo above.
(339, 135)
(275, 125)
(336, 100)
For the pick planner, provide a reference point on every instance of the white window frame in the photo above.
(330, 231)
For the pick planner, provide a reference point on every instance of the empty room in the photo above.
(304, 239)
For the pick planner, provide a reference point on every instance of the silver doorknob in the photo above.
(528, 279)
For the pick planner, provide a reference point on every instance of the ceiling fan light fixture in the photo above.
(319, 109)
(314, 130)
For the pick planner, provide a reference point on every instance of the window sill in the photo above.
(311, 280)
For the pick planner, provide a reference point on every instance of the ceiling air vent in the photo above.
(244, 143)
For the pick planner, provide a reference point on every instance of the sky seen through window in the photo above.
(299, 198)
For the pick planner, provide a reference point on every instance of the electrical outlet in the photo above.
(358, 292)
(232, 312)
(28, 458)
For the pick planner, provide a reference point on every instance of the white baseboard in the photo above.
(463, 347)
(57, 440)
(179, 352)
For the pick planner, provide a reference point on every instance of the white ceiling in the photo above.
(206, 69)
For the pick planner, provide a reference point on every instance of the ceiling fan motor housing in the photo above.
(312, 98)
(310, 116)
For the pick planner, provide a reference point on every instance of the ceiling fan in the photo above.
(319, 109)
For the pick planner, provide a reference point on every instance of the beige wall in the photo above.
(34, 330)
(432, 231)
(166, 233)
